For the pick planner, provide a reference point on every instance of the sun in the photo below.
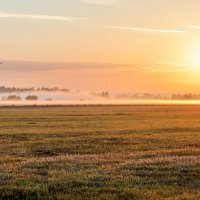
(196, 58)
(192, 55)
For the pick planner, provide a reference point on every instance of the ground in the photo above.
(100, 152)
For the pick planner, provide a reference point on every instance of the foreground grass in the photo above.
(100, 152)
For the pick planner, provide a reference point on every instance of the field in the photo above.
(100, 152)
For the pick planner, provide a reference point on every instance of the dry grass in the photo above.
(100, 152)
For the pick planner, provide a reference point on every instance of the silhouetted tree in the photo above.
(31, 98)
(13, 98)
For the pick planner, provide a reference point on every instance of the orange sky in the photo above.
(151, 45)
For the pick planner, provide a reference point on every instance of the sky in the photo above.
(118, 45)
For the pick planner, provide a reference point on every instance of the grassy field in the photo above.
(100, 152)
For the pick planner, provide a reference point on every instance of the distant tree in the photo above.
(105, 94)
(13, 98)
(65, 90)
(31, 98)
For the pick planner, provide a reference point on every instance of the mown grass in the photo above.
(100, 152)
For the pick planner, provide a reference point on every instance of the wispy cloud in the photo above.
(29, 66)
(148, 29)
(191, 26)
(159, 67)
(38, 16)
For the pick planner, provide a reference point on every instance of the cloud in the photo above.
(38, 16)
(191, 26)
(160, 67)
(104, 2)
(29, 66)
(148, 29)
(25, 66)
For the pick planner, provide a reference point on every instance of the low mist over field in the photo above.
(56, 96)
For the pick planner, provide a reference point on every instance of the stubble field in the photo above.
(100, 152)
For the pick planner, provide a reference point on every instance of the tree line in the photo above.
(4, 89)
(18, 98)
